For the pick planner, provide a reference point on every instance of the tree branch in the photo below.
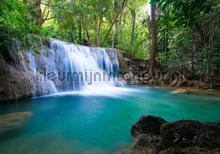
(38, 2)
(124, 4)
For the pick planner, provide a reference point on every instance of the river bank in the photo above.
(136, 72)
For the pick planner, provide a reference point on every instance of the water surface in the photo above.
(97, 120)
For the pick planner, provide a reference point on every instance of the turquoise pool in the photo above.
(97, 120)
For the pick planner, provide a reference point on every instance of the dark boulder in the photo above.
(153, 135)
(148, 143)
(187, 133)
(190, 150)
(209, 136)
(180, 133)
(147, 125)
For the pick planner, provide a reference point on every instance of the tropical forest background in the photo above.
(182, 36)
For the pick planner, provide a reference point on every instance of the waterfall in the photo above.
(69, 67)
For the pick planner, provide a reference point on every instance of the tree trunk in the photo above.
(39, 12)
(154, 40)
(133, 13)
(124, 4)
(98, 29)
(116, 24)
(80, 29)
(192, 69)
(87, 32)
(115, 34)
(25, 1)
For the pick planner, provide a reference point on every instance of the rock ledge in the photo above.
(154, 135)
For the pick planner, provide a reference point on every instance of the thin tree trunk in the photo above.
(25, 1)
(39, 13)
(133, 12)
(80, 29)
(210, 50)
(115, 34)
(84, 26)
(167, 34)
(124, 4)
(154, 40)
(87, 34)
(192, 59)
(116, 24)
(98, 29)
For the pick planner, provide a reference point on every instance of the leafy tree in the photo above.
(15, 22)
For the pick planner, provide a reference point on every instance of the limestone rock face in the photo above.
(14, 78)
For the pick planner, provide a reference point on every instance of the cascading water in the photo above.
(69, 67)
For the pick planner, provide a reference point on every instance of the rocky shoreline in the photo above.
(137, 72)
(154, 135)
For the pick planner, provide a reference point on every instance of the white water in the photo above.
(68, 67)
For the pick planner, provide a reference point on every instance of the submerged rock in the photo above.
(153, 135)
(180, 91)
(12, 121)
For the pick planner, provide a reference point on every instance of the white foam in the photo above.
(98, 91)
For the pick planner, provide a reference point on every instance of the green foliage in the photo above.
(15, 22)
(188, 37)
(73, 21)
(79, 20)
(188, 30)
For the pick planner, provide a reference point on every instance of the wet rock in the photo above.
(153, 135)
(190, 133)
(148, 143)
(15, 78)
(12, 121)
(180, 133)
(131, 151)
(15, 84)
(180, 91)
(209, 136)
(147, 125)
(190, 150)
(128, 77)
(124, 62)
